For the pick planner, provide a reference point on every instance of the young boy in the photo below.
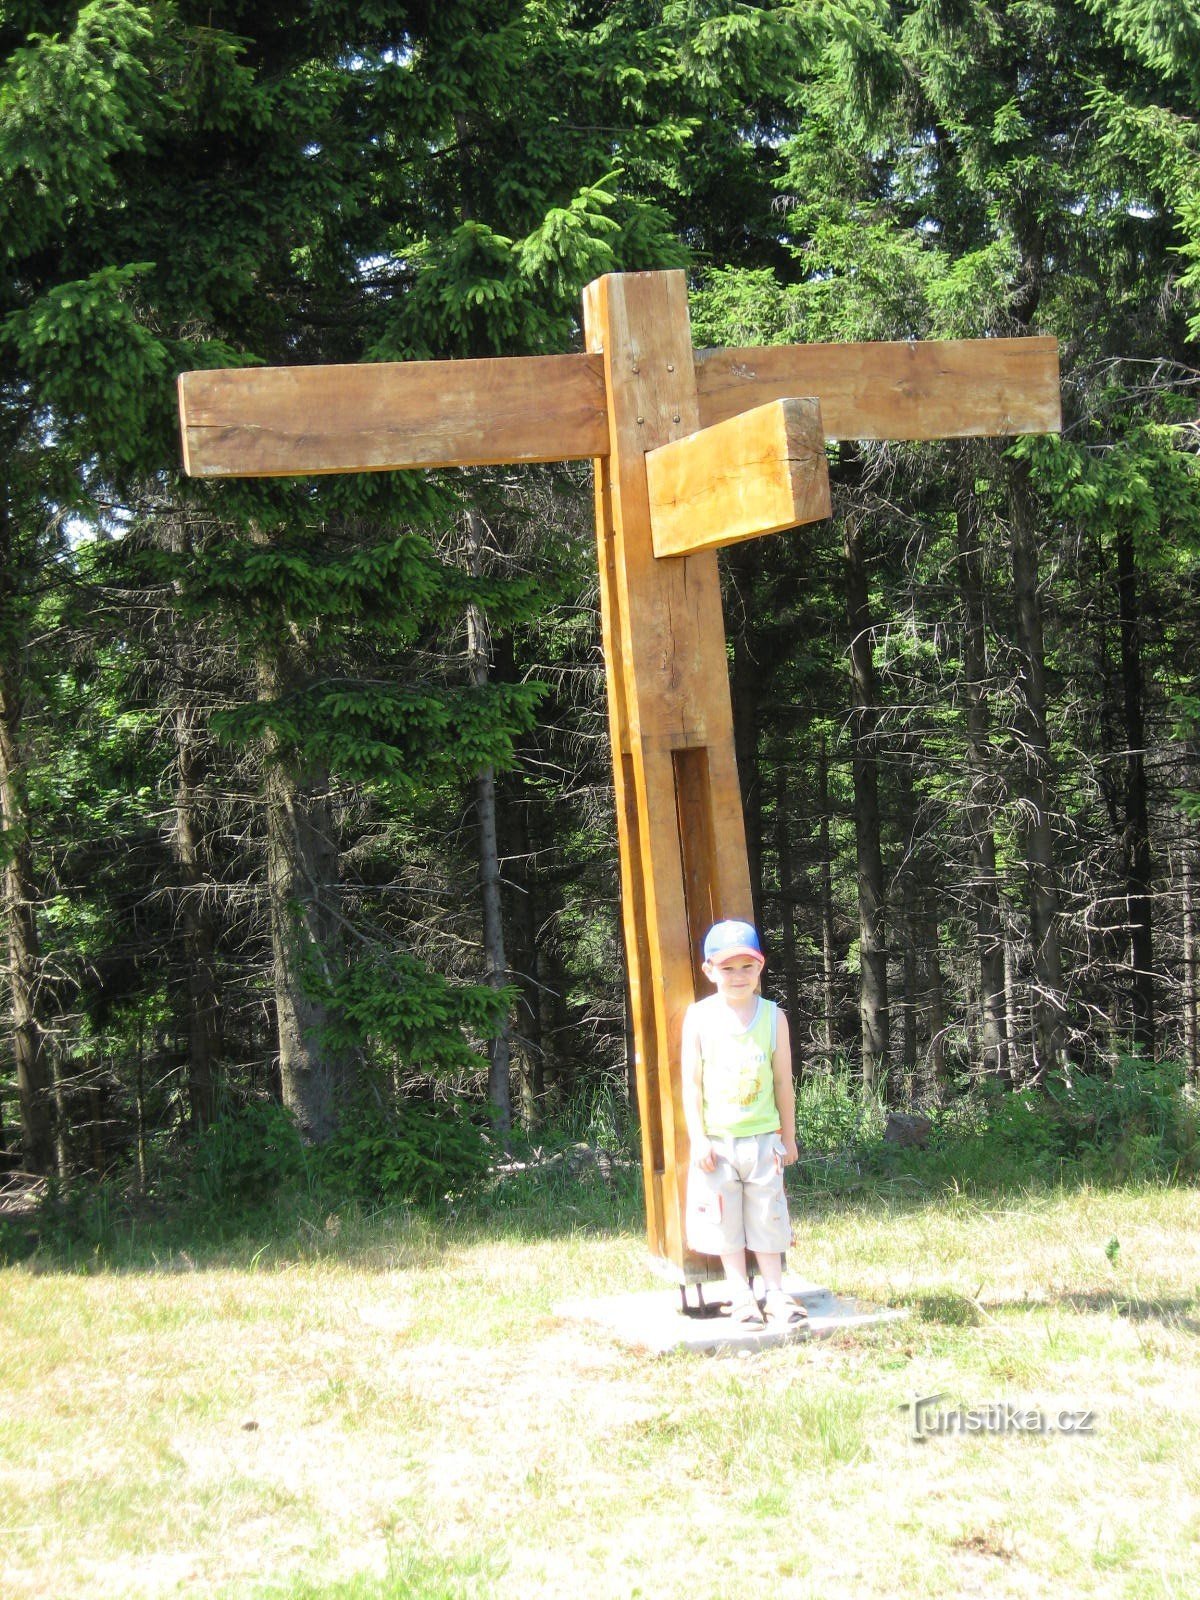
(741, 1117)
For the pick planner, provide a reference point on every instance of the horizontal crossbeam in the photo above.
(251, 422)
(759, 472)
(911, 389)
(385, 416)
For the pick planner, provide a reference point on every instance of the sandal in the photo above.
(745, 1312)
(782, 1309)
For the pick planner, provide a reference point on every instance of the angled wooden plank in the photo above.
(757, 473)
(935, 389)
(383, 416)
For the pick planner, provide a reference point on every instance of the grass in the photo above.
(389, 1406)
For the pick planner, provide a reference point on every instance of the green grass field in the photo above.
(390, 1407)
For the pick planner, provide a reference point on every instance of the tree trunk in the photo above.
(1013, 1032)
(519, 826)
(521, 947)
(924, 1067)
(303, 884)
(499, 1047)
(557, 1031)
(906, 925)
(873, 975)
(195, 907)
(139, 1106)
(1191, 928)
(985, 888)
(910, 982)
(828, 932)
(787, 954)
(744, 685)
(1136, 853)
(35, 1087)
(1046, 999)
(932, 971)
(199, 933)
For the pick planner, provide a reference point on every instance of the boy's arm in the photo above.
(692, 1075)
(785, 1089)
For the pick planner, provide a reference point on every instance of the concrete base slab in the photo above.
(654, 1321)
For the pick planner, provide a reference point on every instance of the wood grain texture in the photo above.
(385, 416)
(670, 710)
(757, 473)
(934, 389)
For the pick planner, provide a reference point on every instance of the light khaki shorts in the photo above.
(741, 1201)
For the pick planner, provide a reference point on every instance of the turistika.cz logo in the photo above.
(929, 1420)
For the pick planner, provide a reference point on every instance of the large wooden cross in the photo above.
(693, 450)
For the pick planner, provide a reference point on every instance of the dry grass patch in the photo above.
(389, 1410)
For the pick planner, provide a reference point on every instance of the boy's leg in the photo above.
(770, 1264)
(769, 1231)
(716, 1224)
(736, 1271)
(777, 1303)
(744, 1308)
(764, 1206)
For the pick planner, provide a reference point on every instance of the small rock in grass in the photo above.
(909, 1130)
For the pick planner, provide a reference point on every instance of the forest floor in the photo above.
(391, 1407)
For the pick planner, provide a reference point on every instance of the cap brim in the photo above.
(737, 950)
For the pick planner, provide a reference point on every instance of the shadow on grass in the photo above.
(1168, 1312)
(961, 1311)
(946, 1310)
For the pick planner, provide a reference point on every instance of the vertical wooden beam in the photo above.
(679, 815)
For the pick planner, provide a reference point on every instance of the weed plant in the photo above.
(838, 1126)
(410, 1151)
(1138, 1123)
(251, 1178)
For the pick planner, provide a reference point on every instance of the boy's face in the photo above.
(735, 978)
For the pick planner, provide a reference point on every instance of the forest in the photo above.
(305, 786)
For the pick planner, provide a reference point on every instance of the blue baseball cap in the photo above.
(732, 938)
